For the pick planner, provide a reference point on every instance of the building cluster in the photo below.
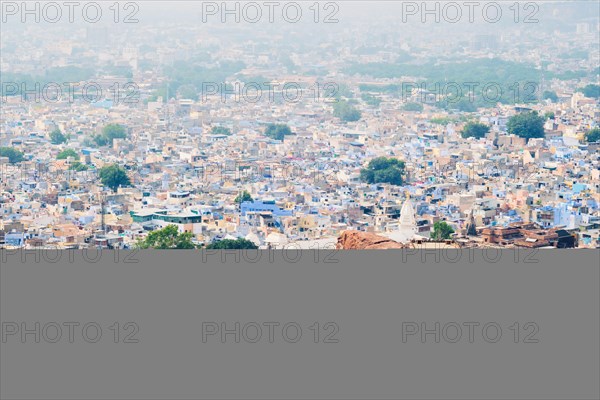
(306, 189)
(193, 160)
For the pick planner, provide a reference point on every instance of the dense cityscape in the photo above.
(368, 133)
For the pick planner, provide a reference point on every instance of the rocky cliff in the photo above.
(356, 240)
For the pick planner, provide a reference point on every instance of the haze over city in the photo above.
(348, 125)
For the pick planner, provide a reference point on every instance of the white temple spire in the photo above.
(407, 225)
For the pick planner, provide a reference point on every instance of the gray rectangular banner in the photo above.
(468, 324)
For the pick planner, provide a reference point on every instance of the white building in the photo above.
(407, 227)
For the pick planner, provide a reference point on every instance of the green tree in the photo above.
(549, 115)
(383, 170)
(167, 238)
(592, 91)
(550, 95)
(14, 155)
(593, 135)
(343, 91)
(89, 142)
(220, 130)
(277, 131)
(230, 244)
(465, 105)
(188, 92)
(113, 176)
(56, 137)
(111, 132)
(371, 100)
(78, 167)
(100, 140)
(346, 111)
(475, 129)
(441, 231)
(527, 125)
(244, 196)
(67, 153)
(418, 107)
(441, 120)
(162, 92)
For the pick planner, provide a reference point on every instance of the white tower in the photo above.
(407, 227)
